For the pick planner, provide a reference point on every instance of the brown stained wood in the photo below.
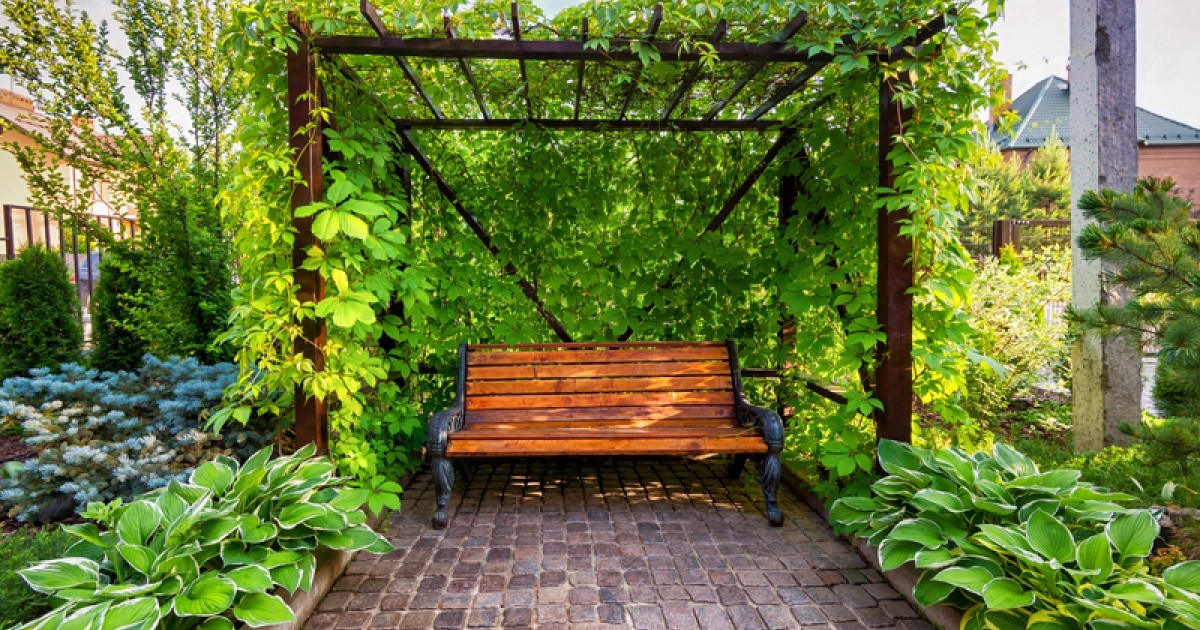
(598, 344)
(591, 124)
(552, 50)
(685, 86)
(555, 423)
(516, 33)
(790, 29)
(599, 370)
(646, 399)
(579, 75)
(599, 385)
(611, 433)
(371, 15)
(893, 372)
(411, 147)
(604, 446)
(311, 424)
(655, 22)
(666, 412)
(466, 70)
(597, 356)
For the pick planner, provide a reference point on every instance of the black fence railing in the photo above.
(21, 226)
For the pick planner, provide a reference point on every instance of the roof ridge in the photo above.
(1169, 119)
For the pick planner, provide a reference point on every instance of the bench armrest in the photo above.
(441, 425)
(763, 420)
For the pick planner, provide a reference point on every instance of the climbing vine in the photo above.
(608, 227)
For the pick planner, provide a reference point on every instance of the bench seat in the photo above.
(634, 398)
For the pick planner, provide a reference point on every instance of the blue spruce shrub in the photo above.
(104, 435)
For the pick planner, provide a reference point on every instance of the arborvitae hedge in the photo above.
(116, 345)
(39, 313)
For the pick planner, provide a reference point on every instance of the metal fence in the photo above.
(21, 226)
(987, 240)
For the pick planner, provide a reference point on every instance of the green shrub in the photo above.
(39, 313)
(206, 552)
(1019, 547)
(17, 551)
(1023, 347)
(116, 344)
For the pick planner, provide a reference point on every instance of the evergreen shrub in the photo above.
(107, 435)
(116, 344)
(39, 313)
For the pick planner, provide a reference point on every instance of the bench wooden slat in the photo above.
(589, 344)
(647, 399)
(595, 385)
(478, 432)
(551, 414)
(596, 370)
(558, 423)
(598, 356)
(606, 446)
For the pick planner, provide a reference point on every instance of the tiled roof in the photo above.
(1045, 108)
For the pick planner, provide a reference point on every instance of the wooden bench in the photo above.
(572, 399)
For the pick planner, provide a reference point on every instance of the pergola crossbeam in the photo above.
(651, 33)
(516, 33)
(685, 86)
(552, 50)
(571, 124)
(372, 16)
(466, 70)
(930, 29)
(751, 178)
(579, 72)
(789, 30)
(510, 269)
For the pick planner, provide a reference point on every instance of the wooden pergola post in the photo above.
(893, 373)
(304, 132)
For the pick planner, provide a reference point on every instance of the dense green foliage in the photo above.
(1036, 188)
(39, 313)
(1135, 469)
(105, 109)
(18, 550)
(607, 226)
(1017, 546)
(100, 436)
(204, 553)
(1024, 346)
(116, 344)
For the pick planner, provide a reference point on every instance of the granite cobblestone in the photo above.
(610, 543)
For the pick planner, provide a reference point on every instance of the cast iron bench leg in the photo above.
(769, 469)
(443, 483)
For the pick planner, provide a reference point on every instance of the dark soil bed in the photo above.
(13, 448)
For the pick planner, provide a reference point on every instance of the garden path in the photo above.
(610, 543)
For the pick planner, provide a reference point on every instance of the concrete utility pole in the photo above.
(1107, 378)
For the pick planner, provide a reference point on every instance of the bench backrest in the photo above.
(691, 383)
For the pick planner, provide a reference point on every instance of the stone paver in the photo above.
(610, 543)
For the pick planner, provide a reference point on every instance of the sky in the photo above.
(1034, 38)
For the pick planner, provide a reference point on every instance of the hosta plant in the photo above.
(205, 553)
(1016, 546)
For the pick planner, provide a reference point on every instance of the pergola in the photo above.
(788, 70)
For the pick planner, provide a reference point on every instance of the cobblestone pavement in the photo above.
(588, 543)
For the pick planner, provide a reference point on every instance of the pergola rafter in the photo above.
(893, 379)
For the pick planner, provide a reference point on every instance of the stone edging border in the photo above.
(902, 579)
(331, 563)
